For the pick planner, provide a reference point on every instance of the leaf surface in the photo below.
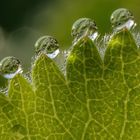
(97, 100)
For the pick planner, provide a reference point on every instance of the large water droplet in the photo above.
(10, 66)
(84, 27)
(47, 45)
(122, 18)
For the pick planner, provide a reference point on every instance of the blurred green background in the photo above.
(22, 22)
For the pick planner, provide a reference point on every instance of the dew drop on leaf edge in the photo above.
(122, 18)
(10, 66)
(84, 27)
(47, 45)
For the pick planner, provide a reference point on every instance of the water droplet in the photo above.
(47, 45)
(10, 66)
(122, 18)
(84, 27)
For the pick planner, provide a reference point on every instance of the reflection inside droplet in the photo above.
(122, 18)
(47, 45)
(11, 75)
(54, 54)
(129, 24)
(84, 27)
(10, 66)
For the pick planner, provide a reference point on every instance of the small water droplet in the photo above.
(84, 27)
(47, 45)
(10, 66)
(122, 18)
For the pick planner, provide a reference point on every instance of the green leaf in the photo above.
(97, 100)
